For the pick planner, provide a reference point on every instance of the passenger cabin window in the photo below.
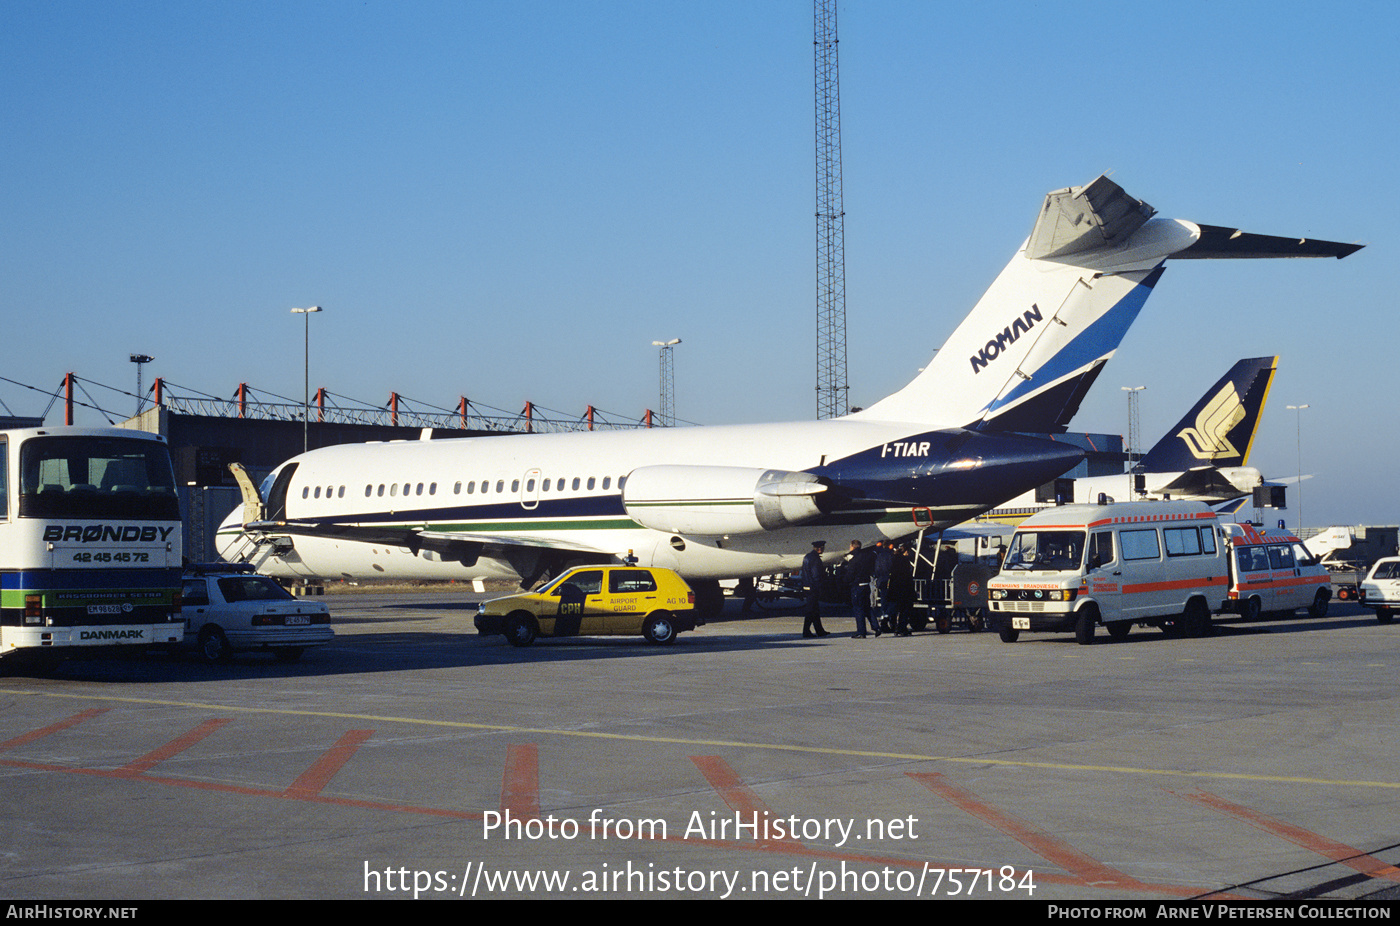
(590, 483)
(575, 485)
(607, 481)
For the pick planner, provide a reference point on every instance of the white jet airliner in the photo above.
(747, 500)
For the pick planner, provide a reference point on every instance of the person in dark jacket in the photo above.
(860, 566)
(812, 572)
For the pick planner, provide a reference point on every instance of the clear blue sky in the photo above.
(512, 200)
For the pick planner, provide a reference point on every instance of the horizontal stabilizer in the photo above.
(1217, 241)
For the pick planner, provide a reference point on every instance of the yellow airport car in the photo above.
(593, 601)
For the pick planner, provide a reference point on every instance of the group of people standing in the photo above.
(880, 581)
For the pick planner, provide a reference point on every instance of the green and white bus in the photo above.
(90, 550)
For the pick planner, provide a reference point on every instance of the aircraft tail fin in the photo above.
(1219, 429)
(1028, 352)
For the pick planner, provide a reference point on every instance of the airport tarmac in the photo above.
(415, 758)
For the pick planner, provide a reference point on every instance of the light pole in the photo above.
(306, 381)
(1299, 410)
(668, 382)
(1133, 422)
(140, 360)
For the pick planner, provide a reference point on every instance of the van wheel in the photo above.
(659, 628)
(1383, 615)
(1118, 630)
(1084, 626)
(1319, 605)
(213, 646)
(1195, 620)
(1008, 635)
(520, 629)
(1251, 609)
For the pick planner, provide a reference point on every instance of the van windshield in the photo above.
(1050, 551)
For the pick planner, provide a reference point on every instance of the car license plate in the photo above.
(1020, 623)
(297, 619)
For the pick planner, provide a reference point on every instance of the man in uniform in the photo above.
(812, 572)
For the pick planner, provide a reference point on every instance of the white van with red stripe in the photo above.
(1072, 568)
(1273, 571)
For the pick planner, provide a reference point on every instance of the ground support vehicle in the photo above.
(595, 601)
(960, 600)
(1272, 571)
(1073, 568)
(231, 609)
(90, 545)
(1381, 588)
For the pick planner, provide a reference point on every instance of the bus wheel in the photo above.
(520, 629)
(1319, 605)
(1084, 626)
(213, 646)
(659, 628)
(1195, 621)
(1251, 609)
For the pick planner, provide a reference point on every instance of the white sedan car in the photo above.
(1381, 588)
(228, 610)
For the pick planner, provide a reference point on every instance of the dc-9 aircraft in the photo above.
(746, 500)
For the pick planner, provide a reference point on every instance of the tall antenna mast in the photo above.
(832, 390)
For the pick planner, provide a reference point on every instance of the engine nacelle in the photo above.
(720, 500)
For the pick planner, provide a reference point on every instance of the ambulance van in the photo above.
(1273, 571)
(1072, 568)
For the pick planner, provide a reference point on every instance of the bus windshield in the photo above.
(1056, 551)
(96, 477)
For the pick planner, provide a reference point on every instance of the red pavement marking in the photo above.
(312, 781)
(1052, 848)
(172, 748)
(1327, 848)
(520, 782)
(739, 796)
(51, 728)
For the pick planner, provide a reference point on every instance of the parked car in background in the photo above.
(231, 609)
(1380, 589)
